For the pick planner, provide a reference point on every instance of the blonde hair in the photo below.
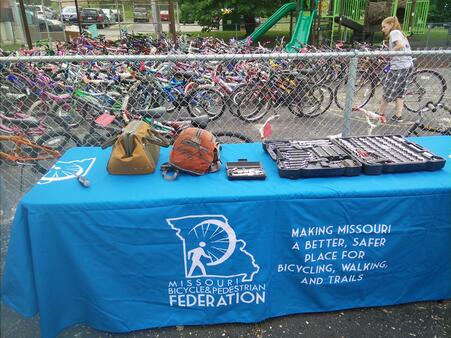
(393, 20)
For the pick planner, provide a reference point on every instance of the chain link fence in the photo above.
(68, 101)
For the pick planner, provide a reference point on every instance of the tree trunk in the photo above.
(249, 24)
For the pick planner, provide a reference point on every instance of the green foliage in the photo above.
(38, 2)
(204, 10)
(439, 11)
(268, 39)
(11, 47)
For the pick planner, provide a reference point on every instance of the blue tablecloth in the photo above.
(134, 252)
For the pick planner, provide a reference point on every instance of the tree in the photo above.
(439, 11)
(204, 10)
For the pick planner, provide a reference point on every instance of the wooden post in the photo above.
(25, 24)
(172, 22)
(78, 16)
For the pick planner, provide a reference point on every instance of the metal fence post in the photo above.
(350, 85)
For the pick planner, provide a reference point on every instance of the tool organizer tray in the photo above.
(314, 158)
(390, 154)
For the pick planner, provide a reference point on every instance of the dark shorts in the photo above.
(395, 84)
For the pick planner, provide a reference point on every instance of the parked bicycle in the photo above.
(19, 150)
(441, 126)
(291, 89)
(425, 85)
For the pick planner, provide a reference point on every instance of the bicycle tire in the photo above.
(327, 99)
(149, 96)
(314, 100)
(39, 108)
(364, 91)
(69, 116)
(236, 137)
(48, 140)
(50, 119)
(413, 100)
(253, 106)
(98, 135)
(199, 103)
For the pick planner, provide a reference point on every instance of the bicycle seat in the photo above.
(200, 121)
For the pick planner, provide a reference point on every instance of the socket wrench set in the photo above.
(390, 154)
(348, 156)
(245, 170)
(315, 158)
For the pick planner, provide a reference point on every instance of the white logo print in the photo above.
(66, 170)
(211, 248)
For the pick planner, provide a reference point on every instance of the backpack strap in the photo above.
(216, 163)
(166, 169)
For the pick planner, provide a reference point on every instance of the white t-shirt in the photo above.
(399, 62)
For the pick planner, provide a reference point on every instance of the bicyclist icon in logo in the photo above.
(212, 249)
(66, 170)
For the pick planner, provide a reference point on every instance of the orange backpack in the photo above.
(194, 151)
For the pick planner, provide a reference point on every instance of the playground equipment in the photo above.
(337, 18)
(301, 31)
(364, 17)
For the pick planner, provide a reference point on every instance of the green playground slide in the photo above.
(301, 33)
(273, 19)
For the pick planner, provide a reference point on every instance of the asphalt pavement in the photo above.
(425, 319)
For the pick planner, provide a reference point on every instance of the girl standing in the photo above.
(399, 70)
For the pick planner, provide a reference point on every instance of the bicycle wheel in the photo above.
(425, 86)
(98, 135)
(68, 113)
(363, 91)
(149, 96)
(310, 103)
(39, 108)
(217, 239)
(55, 139)
(235, 97)
(208, 101)
(231, 137)
(253, 105)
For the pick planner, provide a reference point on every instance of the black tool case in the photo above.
(314, 158)
(390, 154)
(245, 170)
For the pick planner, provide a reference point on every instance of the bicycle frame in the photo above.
(40, 129)
(20, 156)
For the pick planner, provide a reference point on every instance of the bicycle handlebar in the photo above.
(431, 106)
(445, 107)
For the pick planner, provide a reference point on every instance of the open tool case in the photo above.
(390, 154)
(315, 158)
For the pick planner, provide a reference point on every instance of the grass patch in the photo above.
(436, 37)
(11, 47)
(224, 35)
(269, 37)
